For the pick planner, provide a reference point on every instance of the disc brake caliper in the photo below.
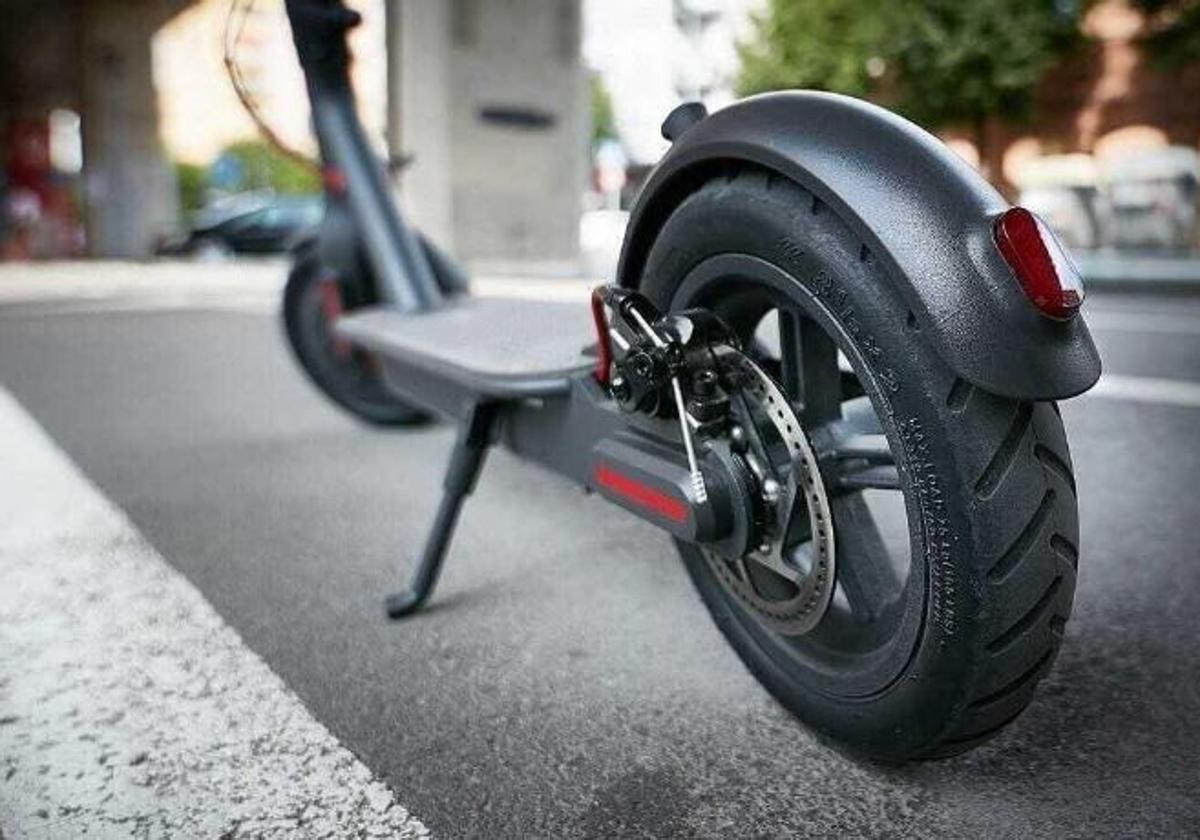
(736, 422)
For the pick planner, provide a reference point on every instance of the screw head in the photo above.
(643, 365)
(737, 439)
(704, 383)
(770, 490)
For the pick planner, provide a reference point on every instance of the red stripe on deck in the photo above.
(641, 494)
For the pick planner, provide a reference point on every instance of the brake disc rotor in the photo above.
(787, 581)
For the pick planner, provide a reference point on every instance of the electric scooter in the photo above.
(818, 309)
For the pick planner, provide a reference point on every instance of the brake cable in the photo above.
(235, 27)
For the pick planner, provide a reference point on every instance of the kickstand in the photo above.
(466, 460)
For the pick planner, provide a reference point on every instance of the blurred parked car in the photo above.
(1065, 190)
(249, 225)
(1154, 199)
(1147, 201)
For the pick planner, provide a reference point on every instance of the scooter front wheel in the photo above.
(312, 301)
(954, 511)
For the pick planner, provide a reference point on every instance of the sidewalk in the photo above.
(257, 283)
(251, 284)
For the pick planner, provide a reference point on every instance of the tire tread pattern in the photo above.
(1017, 490)
(1016, 656)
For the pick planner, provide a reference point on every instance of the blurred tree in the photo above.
(1172, 31)
(604, 124)
(824, 44)
(942, 63)
(265, 167)
(193, 183)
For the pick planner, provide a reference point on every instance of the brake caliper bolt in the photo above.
(770, 491)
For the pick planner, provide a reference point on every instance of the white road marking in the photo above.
(127, 707)
(1147, 389)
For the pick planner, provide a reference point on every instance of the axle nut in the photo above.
(704, 383)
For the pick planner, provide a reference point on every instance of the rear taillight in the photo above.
(1041, 263)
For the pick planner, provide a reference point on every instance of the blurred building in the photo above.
(1110, 156)
(79, 142)
(487, 97)
(99, 97)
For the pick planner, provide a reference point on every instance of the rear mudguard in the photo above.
(920, 209)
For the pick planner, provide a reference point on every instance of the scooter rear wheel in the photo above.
(348, 376)
(956, 565)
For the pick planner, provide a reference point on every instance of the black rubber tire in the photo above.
(356, 388)
(988, 486)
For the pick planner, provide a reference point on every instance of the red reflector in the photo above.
(641, 494)
(1041, 263)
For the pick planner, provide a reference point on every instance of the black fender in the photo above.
(919, 208)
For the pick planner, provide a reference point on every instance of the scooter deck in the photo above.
(497, 348)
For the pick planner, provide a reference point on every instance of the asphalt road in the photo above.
(566, 681)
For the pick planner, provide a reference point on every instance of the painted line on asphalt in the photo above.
(127, 706)
(1147, 389)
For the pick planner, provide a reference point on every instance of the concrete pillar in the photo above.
(491, 99)
(130, 197)
(419, 93)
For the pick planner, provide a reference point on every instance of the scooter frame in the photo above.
(555, 421)
(922, 212)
